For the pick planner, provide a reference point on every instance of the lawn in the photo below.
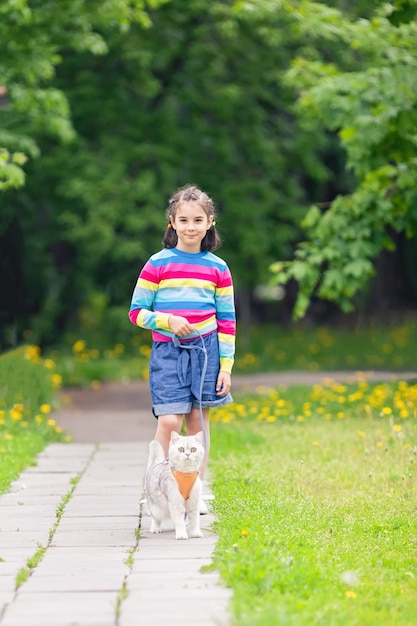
(315, 497)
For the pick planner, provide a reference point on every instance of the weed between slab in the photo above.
(25, 572)
(129, 561)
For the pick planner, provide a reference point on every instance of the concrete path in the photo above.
(100, 565)
(73, 532)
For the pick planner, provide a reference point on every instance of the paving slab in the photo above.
(96, 550)
(61, 609)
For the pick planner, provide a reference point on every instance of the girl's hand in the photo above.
(180, 325)
(224, 384)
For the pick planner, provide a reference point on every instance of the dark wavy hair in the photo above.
(190, 193)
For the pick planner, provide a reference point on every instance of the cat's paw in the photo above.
(197, 534)
(155, 529)
(181, 535)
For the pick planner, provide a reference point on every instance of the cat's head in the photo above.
(186, 453)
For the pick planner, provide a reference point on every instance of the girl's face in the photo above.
(191, 223)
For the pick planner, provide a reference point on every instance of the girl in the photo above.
(187, 291)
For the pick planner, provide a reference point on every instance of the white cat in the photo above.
(173, 486)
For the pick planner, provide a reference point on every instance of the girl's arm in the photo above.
(141, 311)
(226, 321)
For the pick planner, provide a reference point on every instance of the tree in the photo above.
(198, 97)
(370, 100)
(35, 35)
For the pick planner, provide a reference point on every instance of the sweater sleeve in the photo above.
(226, 320)
(141, 311)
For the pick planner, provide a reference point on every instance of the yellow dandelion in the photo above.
(68, 438)
(95, 384)
(386, 410)
(8, 436)
(15, 415)
(351, 594)
(56, 379)
(51, 422)
(39, 419)
(397, 428)
(145, 351)
(49, 364)
(244, 532)
(379, 444)
(316, 443)
(45, 408)
(300, 418)
(361, 433)
(32, 353)
(340, 415)
(18, 407)
(79, 345)
(404, 413)
(24, 424)
(58, 429)
(271, 418)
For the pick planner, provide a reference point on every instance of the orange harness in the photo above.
(185, 482)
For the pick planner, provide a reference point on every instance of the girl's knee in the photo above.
(170, 423)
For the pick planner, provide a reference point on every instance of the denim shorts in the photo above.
(175, 376)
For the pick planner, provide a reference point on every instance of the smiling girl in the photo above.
(187, 291)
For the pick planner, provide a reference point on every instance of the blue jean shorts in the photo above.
(175, 376)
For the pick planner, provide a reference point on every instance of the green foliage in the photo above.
(370, 100)
(178, 102)
(11, 173)
(313, 495)
(34, 39)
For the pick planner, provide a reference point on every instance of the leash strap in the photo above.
(194, 346)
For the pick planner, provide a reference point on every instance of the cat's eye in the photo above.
(181, 449)
(193, 449)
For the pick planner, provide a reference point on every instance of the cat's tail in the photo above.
(156, 453)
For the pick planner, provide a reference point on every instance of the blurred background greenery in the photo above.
(297, 117)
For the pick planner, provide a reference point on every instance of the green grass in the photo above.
(88, 358)
(27, 394)
(315, 497)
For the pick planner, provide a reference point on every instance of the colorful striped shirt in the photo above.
(196, 286)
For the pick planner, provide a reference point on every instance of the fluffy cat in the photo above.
(173, 486)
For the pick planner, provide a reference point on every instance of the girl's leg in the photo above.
(193, 426)
(166, 424)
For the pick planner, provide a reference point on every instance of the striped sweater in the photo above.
(196, 286)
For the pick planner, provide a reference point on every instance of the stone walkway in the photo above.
(73, 532)
(100, 566)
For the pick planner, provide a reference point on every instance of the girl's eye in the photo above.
(193, 449)
(181, 449)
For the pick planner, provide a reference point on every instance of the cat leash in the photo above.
(194, 346)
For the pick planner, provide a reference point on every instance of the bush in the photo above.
(28, 386)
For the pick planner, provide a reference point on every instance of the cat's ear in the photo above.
(174, 436)
(200, 437)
